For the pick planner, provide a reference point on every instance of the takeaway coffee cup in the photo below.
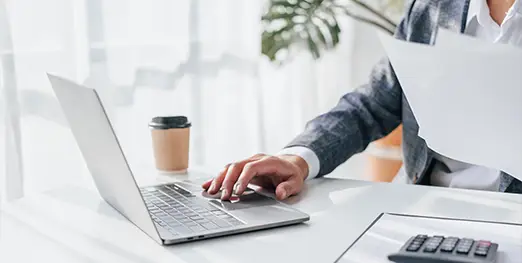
(170, 142)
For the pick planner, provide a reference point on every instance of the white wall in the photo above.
(366, 52)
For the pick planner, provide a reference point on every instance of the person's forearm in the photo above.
(359, 118)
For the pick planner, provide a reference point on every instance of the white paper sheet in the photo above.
(466, 96)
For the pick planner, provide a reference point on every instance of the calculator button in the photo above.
(413, 248)
(482, 253)
(463, 246)
(483, 243)
(430, 249)
(448, 245)
(437, 238)
(467, 241)
(482, 249)
(446, 249)
(463, 250)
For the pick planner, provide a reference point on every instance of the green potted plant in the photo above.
(314, 25)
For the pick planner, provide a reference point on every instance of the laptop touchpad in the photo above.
(247, 200)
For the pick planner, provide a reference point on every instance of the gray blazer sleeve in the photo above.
(370, 112)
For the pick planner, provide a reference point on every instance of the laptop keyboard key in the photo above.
(209, 226)
(197, 228)
(179, 190)
(169, 220)
(234, 222)
(220, 223)
(181, 230)
(173, 231)
(176, 213)
(185, 220)
(201, 220)
(190, 224)
(173, 224)
(210, 207)
(224, 216)
(199, 209)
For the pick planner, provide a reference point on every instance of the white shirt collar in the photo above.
(474, 7)
(480, 10)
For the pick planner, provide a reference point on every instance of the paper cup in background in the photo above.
(170, 142)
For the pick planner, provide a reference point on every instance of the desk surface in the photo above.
(75, 225)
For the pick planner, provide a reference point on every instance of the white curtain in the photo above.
(199, 58)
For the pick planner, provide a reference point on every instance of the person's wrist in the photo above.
(299, 162)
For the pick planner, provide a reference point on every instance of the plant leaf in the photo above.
(313, 48)
(284, 4)
(299, 21)
(274, 16)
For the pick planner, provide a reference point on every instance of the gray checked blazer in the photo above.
(377, 108)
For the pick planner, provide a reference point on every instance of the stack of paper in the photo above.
(466, 96)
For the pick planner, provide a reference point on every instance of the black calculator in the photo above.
(440, 249)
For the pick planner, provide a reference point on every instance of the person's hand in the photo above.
(285, 173)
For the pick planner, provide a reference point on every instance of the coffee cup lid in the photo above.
(169, 122)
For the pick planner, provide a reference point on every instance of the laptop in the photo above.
(168, 213)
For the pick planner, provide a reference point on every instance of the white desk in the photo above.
(75, 225)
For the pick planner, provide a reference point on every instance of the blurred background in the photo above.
(248, 74)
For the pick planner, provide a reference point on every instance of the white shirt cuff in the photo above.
(308, 155)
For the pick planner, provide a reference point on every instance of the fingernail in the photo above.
(284, 194)
(223, 194)
(237, 187)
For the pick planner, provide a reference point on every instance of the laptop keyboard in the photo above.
(178, 212)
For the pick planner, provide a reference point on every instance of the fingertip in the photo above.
(240, 188)
(207, 184)
(288, 188)
(281, 194)
(213, 188)
(225, 195)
